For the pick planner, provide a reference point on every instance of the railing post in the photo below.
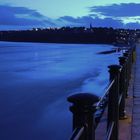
(130, 62)
(123, 88)
(127, 55)
(113, 103)
(127, 72)
(133, 53)
(83, 113)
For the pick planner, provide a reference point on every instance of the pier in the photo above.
(117, 112)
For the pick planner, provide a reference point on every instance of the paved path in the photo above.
(136, 100)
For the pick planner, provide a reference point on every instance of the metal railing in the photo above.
(86, 106)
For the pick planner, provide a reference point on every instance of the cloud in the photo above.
(123, 15)
(117, 10)
(96, 22)
(100, 16)
(134, 25)
(107, 22)
(21, 16)
(79, 20)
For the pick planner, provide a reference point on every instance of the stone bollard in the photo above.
(83, 109)
(123, 88)
(127, 68)
(113, 101)
(134, 54)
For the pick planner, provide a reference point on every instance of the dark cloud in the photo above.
(21, 16)
(78, 20)
(97, 22)
(16, 17)
(118, 10)
(107, 22)
(36, 14)
(114, 16)
(134, 25)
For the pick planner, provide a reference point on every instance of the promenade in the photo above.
(136, 98)
(130, 128)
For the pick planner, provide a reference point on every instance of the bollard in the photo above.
(83, 109)
(126, 71)
(134, 54)
(131, 61)
(127, 55)
(123, 90)
(113, 101)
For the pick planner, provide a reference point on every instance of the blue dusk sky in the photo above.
(26, 14)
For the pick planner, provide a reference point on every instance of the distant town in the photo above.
(73, 35)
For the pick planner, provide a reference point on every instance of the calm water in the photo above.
(36, 79)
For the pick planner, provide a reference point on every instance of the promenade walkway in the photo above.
(136, 99)
(129, 128)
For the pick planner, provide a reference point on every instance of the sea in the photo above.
(37, 78)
